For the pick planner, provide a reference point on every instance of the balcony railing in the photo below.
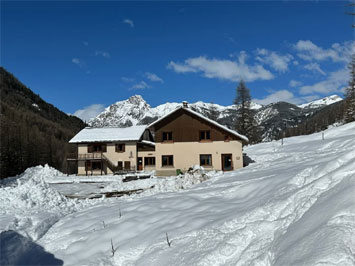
(85, 156)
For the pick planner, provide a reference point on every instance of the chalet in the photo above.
(184, 138)
(179, 140)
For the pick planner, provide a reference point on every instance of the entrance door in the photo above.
(227, 163)
(140, 164)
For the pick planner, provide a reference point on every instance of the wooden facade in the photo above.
(186, 127)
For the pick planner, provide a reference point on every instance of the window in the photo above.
(205, 135)
(119, 165)
(96, 165)
(149, 160)
(97, 147)
(167, 160)
(206, 160)
(167, 136)
(127, 165)
(120, 147)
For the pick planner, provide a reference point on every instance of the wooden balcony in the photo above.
(85, 156)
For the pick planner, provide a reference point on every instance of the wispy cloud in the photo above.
(125, 79)
(281, 95)
(129, 22)
(89, 112)
(222, 69)
(315, 67)
(275, 60)
(103, 54)
(309, 51)
(85, 43)
(153, 77)
(335, 82)
(140, 86)
(295, 83)
(78, 62)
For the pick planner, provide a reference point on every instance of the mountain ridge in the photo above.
(272, 118)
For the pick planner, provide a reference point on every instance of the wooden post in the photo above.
(101, 163)
(67, 166)
(86, 167)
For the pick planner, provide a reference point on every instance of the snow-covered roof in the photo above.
(105, 134)
(148, 142)
(233, 132)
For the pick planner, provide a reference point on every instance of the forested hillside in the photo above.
(32, 131)
(319, 121)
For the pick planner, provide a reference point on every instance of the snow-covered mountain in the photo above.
(321, 102)
(136, 110)
(272, 118)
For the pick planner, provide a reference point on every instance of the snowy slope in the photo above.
(294, 206)
(321, 102)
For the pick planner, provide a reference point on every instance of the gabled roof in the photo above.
(106, 134)
(231, 131)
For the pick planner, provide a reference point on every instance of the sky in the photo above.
(82, 56)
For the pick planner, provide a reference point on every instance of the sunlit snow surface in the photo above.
(294, 206)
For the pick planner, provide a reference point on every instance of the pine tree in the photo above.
(246, 124)
(350, 94)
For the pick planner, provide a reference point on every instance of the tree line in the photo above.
(32, 132)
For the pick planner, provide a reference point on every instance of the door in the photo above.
(140, 164)
(227, 163)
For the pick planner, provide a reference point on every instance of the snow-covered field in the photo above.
(294, 206)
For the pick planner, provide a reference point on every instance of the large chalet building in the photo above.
(172, 144)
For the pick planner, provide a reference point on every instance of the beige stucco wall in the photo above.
(187, 154)
(130, 154)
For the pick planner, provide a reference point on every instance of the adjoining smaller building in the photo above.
(109, 150)
(174, 143)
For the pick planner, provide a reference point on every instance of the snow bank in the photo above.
(29, 205)
(31, 191)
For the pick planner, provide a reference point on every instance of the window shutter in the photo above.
(123, 147)
(116, 148)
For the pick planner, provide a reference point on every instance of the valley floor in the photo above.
(294, 206)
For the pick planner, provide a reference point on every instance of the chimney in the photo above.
(185, 104)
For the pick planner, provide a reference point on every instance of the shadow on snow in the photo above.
(16, 249)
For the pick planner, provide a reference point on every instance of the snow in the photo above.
(30, 206)
(36, 106)
(204, 118)
(90, 134)
(293, 206)
(265, 114)
(321, 102)
(148, 142)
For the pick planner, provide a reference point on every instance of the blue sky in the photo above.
(88, 55)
